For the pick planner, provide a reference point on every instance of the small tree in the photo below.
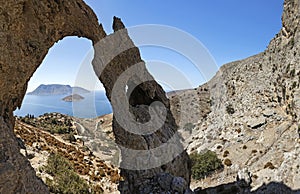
(205, 164)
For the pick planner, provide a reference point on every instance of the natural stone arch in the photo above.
(28, 29)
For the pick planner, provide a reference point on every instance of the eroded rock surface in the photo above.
(255, 114)
(28, 29)
(146, 150)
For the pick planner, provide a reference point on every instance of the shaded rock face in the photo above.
(146, 151)
(28, 29)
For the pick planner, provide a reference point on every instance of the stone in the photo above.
(256, 122)
(268, 112)
(179, 184)
(165, 181)
(244, 178)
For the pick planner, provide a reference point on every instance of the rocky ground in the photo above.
(37, 143)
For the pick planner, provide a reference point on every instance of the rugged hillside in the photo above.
(252, 111)
(57, 134)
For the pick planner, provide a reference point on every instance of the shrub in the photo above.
(269, 165)
(71, 138)
(65, 180)
(254, 151)
(292, 73)
(294, 85)
(205, 164)
(227, 162)
(226, 153)
(230, 109)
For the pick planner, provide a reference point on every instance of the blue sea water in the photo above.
(94, 104)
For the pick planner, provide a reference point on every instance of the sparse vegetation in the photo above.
(65, 180)
(293, 73)
(55, 123)
(226, 153)
(254, 151)
(269, 165)
(205, 164)
(294, 85)
(227, 162)
(230, 109)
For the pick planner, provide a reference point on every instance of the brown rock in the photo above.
(28, 29)
(145, 153)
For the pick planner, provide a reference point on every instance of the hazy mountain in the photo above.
(57, 89)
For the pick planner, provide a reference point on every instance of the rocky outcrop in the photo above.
(255, 113)
(137, 100)
(28, 29)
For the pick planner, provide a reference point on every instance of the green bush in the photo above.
(205, 164)
(230, 109)
(65, 180)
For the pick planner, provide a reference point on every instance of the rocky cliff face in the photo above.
(255, 112)
(147, 151)
(28, 29)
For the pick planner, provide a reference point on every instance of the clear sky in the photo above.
(230, 30)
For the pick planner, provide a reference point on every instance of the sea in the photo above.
(93, 105)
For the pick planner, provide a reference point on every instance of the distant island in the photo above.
(57, 89)
(73, 98)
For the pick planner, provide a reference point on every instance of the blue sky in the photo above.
(230, 30)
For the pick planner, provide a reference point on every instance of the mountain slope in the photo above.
(254, 108)
(56, 133)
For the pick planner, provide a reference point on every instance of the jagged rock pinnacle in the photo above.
(117, 24)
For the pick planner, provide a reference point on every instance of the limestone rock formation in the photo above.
(255, 113)
(146, 150)
(28, 29)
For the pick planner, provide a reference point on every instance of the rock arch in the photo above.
(28, 28)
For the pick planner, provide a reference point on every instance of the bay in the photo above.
(94, 104)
